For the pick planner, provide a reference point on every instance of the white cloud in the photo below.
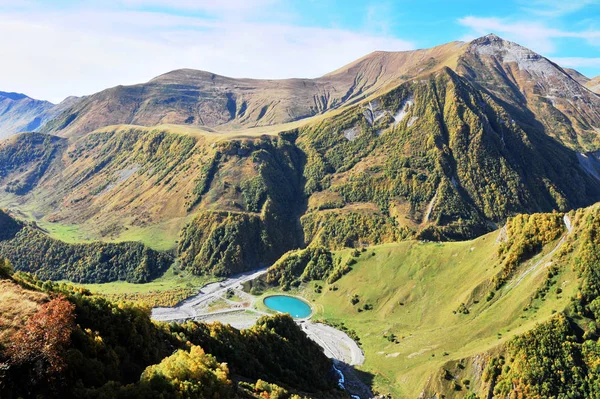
(578, 62)
(204, 5)
(534, 35)
(54, 54)
(556, 8)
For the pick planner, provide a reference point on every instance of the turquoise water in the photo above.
(287, 304)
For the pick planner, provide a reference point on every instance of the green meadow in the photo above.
(413, 322)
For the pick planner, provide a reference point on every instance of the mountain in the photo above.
(20, 113)
(450, 154)
(594, 84)
(536, 91)
(198, 98)
(578, 76)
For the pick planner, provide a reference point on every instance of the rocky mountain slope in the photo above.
(594, 84)
(20, 113)
(536, 91)
(578, 76)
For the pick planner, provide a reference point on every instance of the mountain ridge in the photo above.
(20, 113)
(459, 107)
(196, 98)
(578, 76)
(201, 98)
(594, 84)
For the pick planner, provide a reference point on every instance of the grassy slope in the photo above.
(172, 279)
(431, 280)
(16, 306)
(161, 236)
(66, 204)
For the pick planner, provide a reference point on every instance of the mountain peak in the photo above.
(495, 42)
(185, 75)
(507, 52)
(492, 37)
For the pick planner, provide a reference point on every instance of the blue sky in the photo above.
(52, 49)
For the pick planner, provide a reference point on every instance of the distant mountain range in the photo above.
(19, 113)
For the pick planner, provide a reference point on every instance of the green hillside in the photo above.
(31, 250)
(64, 342)
(431, 316)
(453, 166)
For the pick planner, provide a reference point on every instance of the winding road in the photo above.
(189, 308)
(336, 344)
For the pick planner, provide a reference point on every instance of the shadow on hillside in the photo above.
(357, 382)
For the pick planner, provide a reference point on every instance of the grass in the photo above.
(219, 304)
(168, 290)
(220, 133)
(73, 233)
(173, 279)
(160, 236)
(415, 288)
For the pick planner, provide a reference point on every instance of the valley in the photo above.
(438, 209)
(419, 307)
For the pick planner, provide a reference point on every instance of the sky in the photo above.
(56, 48)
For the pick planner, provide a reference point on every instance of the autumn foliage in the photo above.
(44, 337)
(191, 374)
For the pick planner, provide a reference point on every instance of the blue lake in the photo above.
(287, 304)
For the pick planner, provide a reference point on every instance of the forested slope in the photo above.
(73, 344)
(31, 250)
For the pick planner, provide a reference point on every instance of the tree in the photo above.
(45, 336)
(190, 374)
(6, 268)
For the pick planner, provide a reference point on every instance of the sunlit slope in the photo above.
(594, 84)
(434, 157)
(198, 98)
(435, 300)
